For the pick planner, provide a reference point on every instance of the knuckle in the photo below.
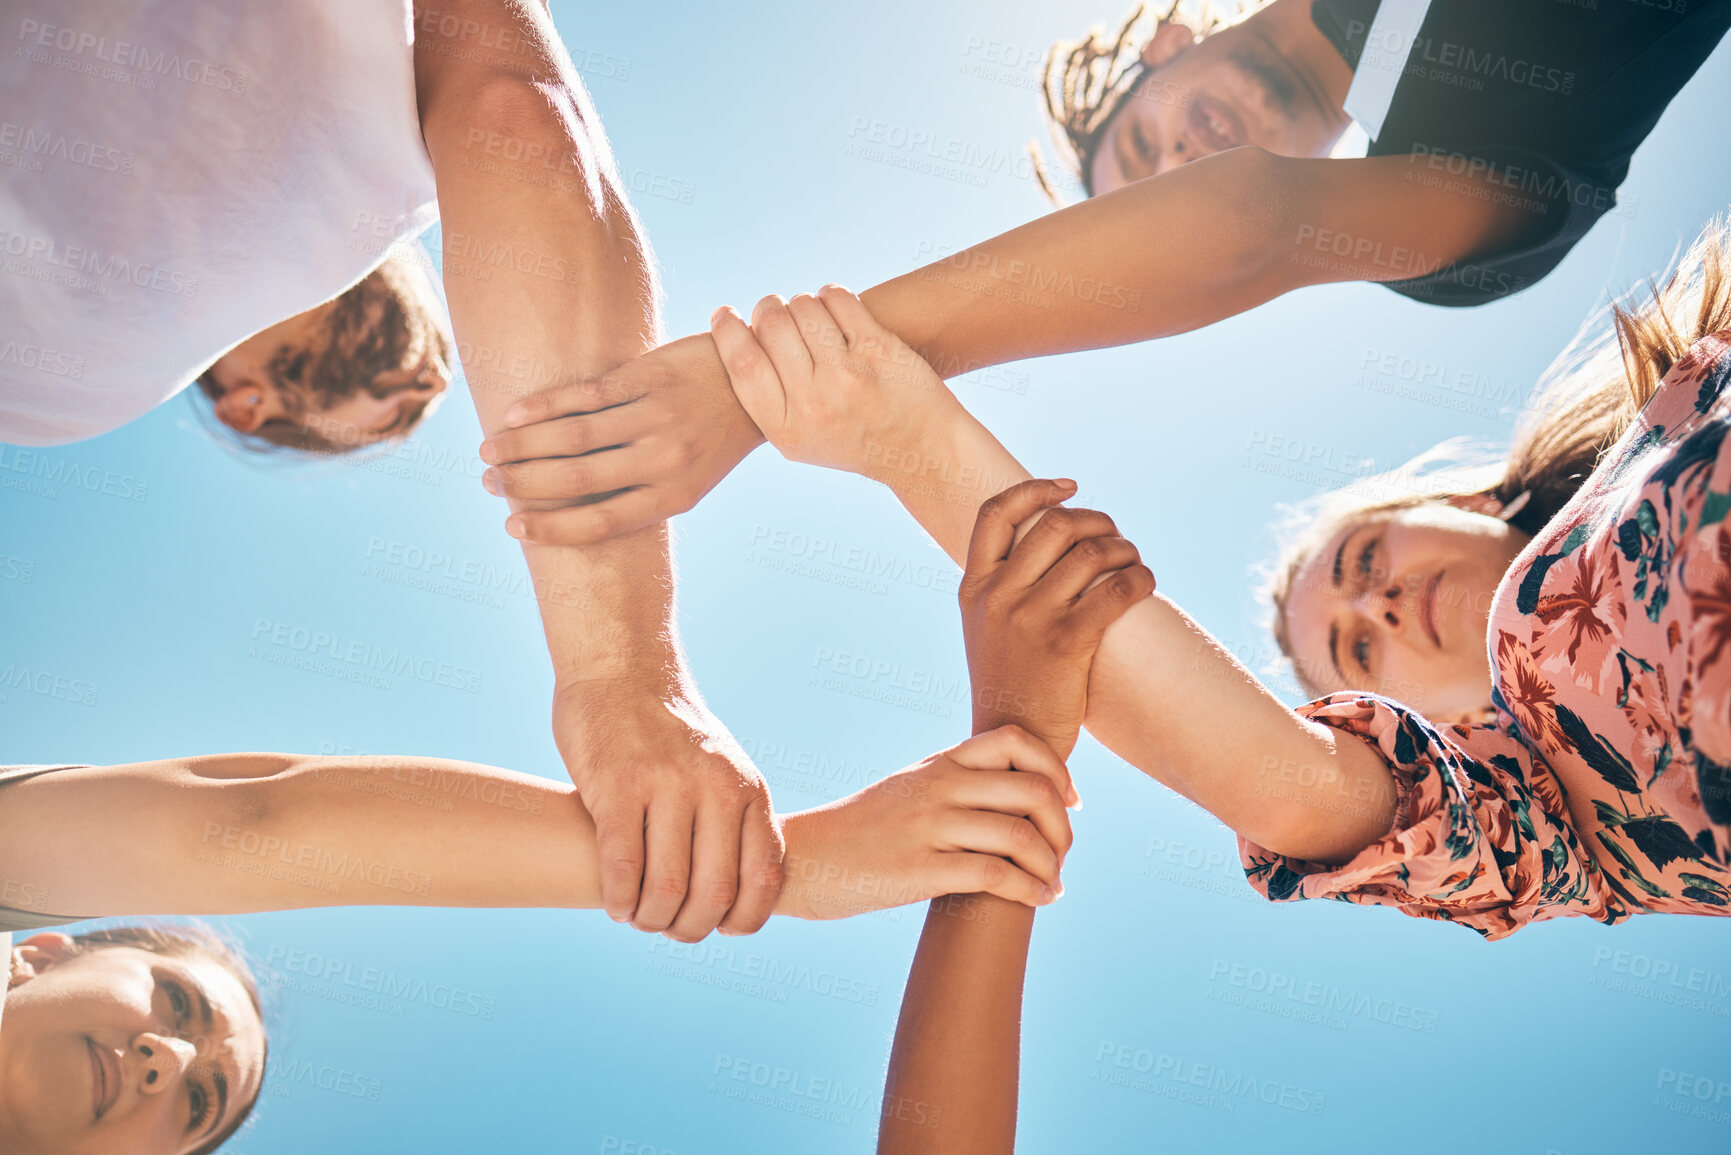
(577, 476)
(668, 886)
(720, 894)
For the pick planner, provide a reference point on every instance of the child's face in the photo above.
(122, 1049)
(1196, 99)
(1398, 604)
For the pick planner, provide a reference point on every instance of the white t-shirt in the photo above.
(177, 175)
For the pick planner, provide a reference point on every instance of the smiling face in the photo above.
(123, 1049)
(1398, 603)
(1233, 88)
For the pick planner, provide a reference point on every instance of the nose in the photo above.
(1384, 605)
(161, 1061)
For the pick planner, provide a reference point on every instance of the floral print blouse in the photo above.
(1603, 787)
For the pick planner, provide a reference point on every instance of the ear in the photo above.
(38, 953)
(1477, 503)
(1170, 41)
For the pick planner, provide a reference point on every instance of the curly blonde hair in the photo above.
(1084, 82)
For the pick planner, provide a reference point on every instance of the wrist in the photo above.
(800, 834)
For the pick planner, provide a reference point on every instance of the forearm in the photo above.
(1111, 270)
(1169, 699)
(1179, 251)
(955, 1066)
(523, 169)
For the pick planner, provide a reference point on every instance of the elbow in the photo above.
(1262, 209)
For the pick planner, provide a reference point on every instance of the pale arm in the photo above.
(238, 833)
(1157, 257)
(1160, 693)
(1170, 700)
(524, 170)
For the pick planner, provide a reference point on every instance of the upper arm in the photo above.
(1385, 218)
(72, 834)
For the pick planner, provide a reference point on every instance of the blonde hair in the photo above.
(1085, 81)
(1583, 403)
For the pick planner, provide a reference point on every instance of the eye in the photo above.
(1361, 652)
(1365, 557)
(179, 1003)
(200, 1101)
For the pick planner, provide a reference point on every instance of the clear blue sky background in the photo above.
(738, 129)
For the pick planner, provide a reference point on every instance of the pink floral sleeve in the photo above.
(1480, 834)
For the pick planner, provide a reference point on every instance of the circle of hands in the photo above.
(687, 838)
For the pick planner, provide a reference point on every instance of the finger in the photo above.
(1010, 747)
(778, 333)
(667, 864)
(1086, 562)
(1056, 534)
(714, 872)
(619, 845)
(1017, 839)
(587, 524)
(859, 328)
(1108, 601)
(1032, 796)
(755, 381)
(822, 336)
(995, 524)
(760, 875)
(585, 396)
(567, 436)
(569, 478)
(961, 872)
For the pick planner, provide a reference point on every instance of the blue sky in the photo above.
(740, 132)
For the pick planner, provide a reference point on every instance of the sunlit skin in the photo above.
(1408, 614)
(1272, 81)
(112, 1050)
(250, 396)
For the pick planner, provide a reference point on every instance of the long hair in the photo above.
(1583, 403)
(1085, 81)
(180, 940)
